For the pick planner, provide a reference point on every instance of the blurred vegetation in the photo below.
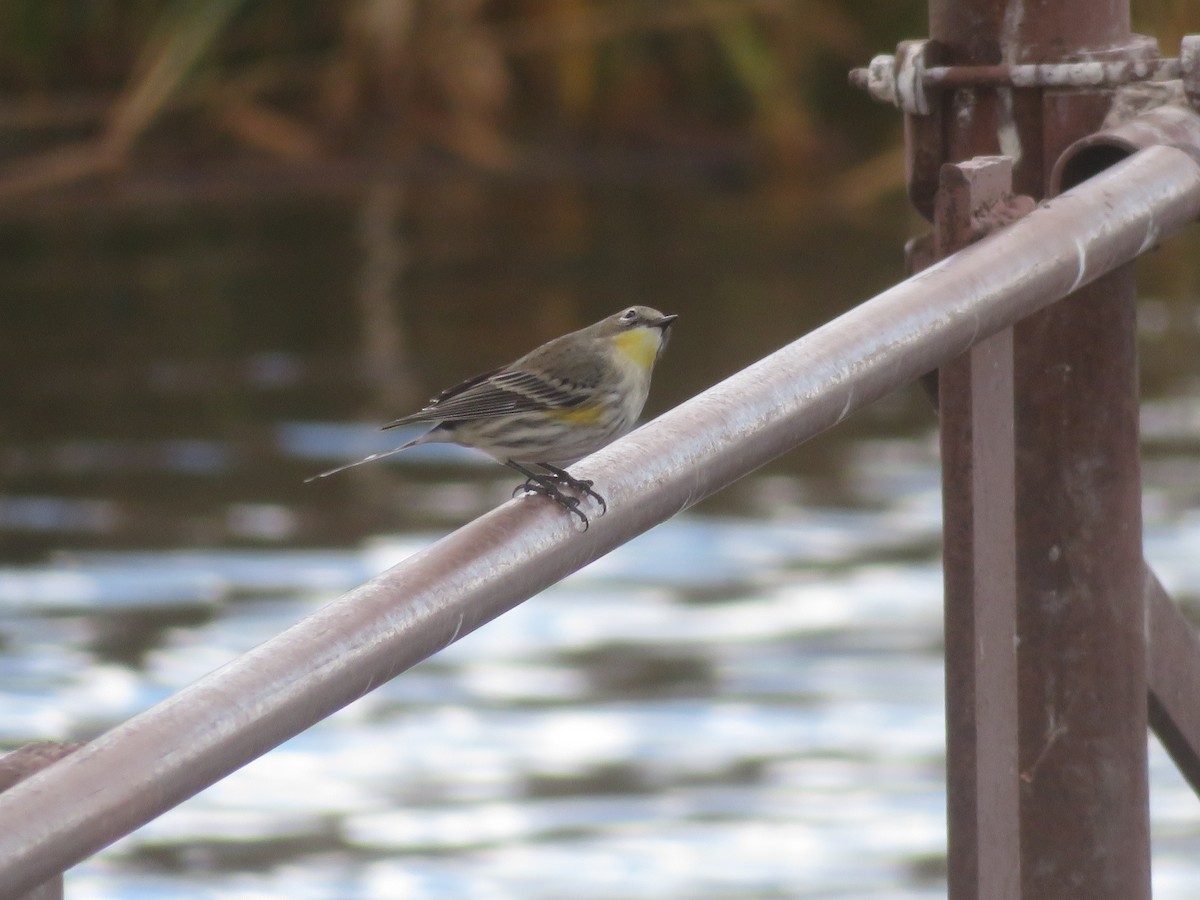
(88, 85)
(87, 82)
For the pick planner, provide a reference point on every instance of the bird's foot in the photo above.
(548, 488)
(583, 486)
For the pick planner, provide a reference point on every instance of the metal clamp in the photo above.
(906, 80)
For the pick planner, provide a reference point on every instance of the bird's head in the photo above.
(641, 332)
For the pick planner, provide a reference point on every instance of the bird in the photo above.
(552, 407)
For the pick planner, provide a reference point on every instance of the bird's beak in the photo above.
(664, 327)
(665, 322)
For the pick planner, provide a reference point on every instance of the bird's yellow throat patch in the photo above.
(640, 345)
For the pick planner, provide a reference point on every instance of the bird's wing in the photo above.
(497, 393)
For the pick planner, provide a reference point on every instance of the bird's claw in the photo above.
(584, 486)
(549, 483)
(549, 490)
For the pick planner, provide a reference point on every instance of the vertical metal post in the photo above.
(975, 399)
(1073, 508)
(16, 767)
(1081, 619)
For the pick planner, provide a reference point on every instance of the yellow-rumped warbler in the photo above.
(551, 407)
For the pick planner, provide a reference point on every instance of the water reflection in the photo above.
(744, 702)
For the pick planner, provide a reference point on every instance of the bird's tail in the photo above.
(367, 459)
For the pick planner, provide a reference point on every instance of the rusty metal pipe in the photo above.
(157, 759)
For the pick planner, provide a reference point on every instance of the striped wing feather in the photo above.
(497, 393)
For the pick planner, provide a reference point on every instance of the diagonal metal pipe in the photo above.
(159, 758)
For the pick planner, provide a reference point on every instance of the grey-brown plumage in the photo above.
(553, 406)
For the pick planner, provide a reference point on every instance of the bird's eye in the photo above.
(629, 315)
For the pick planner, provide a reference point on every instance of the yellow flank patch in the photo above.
(640, 345)
(584, 415)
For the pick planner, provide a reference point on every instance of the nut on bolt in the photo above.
(899, 79)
